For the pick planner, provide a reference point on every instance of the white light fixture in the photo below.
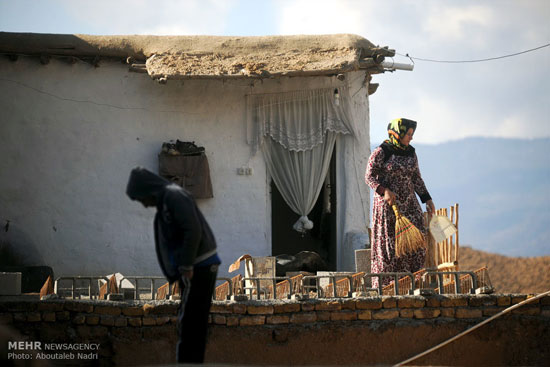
(390, 65)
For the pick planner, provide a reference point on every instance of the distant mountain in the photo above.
(510, 274)
(502, 187)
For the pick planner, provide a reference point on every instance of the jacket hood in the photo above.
(143, 183)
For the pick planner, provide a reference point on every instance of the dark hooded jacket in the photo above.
(183, 238)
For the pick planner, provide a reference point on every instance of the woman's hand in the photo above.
(389, 197)
(430, 207)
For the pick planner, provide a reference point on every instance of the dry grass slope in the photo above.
(510, 274)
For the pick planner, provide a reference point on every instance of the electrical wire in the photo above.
(92, 102)
(475, 60)
(509, 309)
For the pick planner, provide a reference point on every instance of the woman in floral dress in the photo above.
(393, 174)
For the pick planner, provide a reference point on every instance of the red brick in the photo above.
(92, 320)
(135, 321)
(75, 306)
(433, 302)
(239, 308)
(389, 302)
(368, 304)
(259, 310)
(160, 309)
(531, 310)
(454, 301)
(50, 306)
(323, 315)
(277, 319)
(232, 321)
(426, 313)
(252, 320)
(482, 300)
(348, 304)
(48, 316)
(149, 321)
(504, 301)
(517, 299)
(343, 316)
(132, 311)
(162, 320)
(303, 317)
(63, 316)
(406, 313)
(448, 312)
(79, 319)
(328, 306)
(107, 320)
(385, 314)
(364, 314)
(121, 321)
(33, 317)
(107, 310)
(219, 319)
(410, 302)
(286, 307)
(468, 313)
(220, 308)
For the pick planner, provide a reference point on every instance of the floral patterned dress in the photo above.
(399, 173)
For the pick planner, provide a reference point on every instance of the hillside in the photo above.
(510, 274)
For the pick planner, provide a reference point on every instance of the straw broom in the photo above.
(408, 238)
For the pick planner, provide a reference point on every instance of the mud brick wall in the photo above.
(361, 331)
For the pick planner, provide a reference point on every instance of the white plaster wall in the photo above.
(352, 192)
(69, 136)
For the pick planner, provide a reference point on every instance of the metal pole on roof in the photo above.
(396, 65)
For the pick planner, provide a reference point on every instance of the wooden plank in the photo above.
(457, 230)
(47, 288)
(162, 291)
(446, 265)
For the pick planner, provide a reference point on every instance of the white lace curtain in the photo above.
(296, 132)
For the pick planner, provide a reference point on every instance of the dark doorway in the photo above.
(322, 238)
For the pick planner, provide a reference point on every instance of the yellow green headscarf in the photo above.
(397, 129)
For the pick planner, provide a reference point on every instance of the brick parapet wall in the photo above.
(122, 326)
(378, 308)
(260, 312)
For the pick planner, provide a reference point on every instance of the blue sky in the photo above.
(503, 98)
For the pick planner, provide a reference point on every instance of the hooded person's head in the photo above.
(145, 186)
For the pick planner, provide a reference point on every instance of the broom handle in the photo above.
(396, 211)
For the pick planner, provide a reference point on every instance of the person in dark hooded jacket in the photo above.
(186, 251)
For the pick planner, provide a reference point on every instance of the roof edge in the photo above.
(143, 46)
